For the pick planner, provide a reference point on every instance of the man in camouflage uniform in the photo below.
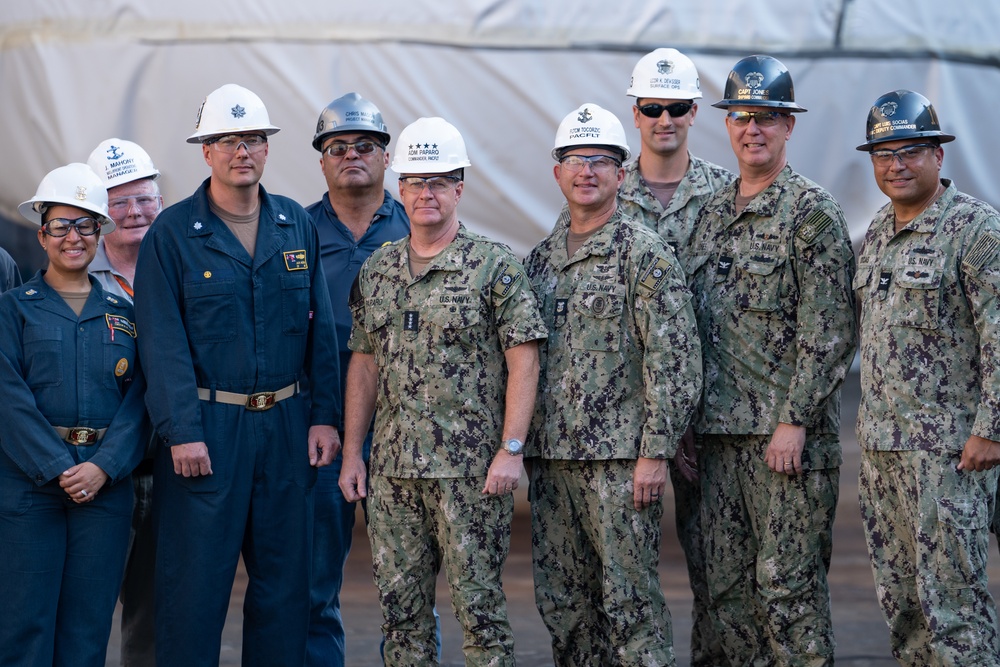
(445, 342)
(665, 189)
(771, 270)
(929, 421)
(621, 374)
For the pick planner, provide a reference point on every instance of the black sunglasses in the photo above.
(676, 110)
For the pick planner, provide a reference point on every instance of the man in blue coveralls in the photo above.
(355, 217)
(230, 289)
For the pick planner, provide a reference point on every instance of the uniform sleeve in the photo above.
(826, 325)
(981, 282)
(359, 341)
(671, 365)
(27, 437)
(172, 392)
(124, 443)
(515, 308)
(322, 351)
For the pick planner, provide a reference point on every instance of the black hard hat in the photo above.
(759, 81)
(902, 114)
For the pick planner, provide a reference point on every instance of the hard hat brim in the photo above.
(940, 136)
(790, 107)
(199, 138)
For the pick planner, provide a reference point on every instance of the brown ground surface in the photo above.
(860, 630)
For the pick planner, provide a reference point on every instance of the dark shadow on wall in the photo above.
(21, 242)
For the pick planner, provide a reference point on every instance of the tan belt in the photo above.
(80, 435)
(262, 400)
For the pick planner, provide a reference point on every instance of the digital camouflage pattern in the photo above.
(675, 223)
(927, 527)
(929, 380)
(418, 525)
(598, 553)
(621, 372)
(930, 327)
(767, 551)
(621, 369)
(775, 310)
(438, 341)
(772, 293)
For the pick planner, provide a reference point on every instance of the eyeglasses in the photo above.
(907, 154)
(436, 184)
(146, 203)
(762, 118)
(602, 163)
(676, 110)
(340, 148)
(59, 227)
(230, 143)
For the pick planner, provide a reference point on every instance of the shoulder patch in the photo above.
(982, 253)
(506, 280)
(655, 275)
(815, 224)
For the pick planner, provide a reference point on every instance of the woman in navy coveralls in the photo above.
(72, 432)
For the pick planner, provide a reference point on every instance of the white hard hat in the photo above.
(230, 109)
(118, 161)
(590, 125)
(75, 184)
(429, 146)
(665, 74)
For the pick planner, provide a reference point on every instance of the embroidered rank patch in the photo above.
(655, 275)
(815, 224)
(121, 367)
(117, 322)
(295, 260)
(724, 266)
(411, 320)
(982, 253)
(506, 280)
(884, 279)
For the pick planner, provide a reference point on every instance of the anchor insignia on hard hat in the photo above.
(81, 192)
(754, 79)
(585, 116)
(664, 67)
(888, 109)
(238, 111)
(114, 152)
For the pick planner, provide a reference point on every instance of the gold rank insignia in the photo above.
(655, 275)
(119, 323)
(121, 367)
(295, 260)
(507, 279)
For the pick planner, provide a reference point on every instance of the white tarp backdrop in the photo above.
(74, 72)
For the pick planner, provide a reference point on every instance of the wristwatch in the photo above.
(514, 446)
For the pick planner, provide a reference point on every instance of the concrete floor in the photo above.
(862, 638)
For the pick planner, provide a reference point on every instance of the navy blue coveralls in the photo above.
(61, 563)
(220, 320)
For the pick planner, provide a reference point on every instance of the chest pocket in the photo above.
(43, 356)
(295, 301)
(210, 311)
(862, 277)
(452, 334)
(758, 284)
(376, 327)
(597, 321)
(119, 359)
(917, 298)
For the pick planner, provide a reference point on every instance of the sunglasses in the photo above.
(762, 118)
(340, 148)
(676, 110)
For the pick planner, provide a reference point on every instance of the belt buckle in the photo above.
(82, 435)
(262, 400)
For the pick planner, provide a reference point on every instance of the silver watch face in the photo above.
(513, 446)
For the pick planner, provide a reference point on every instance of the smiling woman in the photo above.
(70, 380)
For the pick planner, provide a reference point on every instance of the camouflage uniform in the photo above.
(776, 315)
(438, 341)
(674, 225)
(621, 373)
(930, 324)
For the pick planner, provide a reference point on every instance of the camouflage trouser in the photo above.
(706, 649)
(595, 558)
(414, 526)
(768, 542)
(927, 526)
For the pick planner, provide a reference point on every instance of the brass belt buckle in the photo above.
(82, 435)
(262, 400)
